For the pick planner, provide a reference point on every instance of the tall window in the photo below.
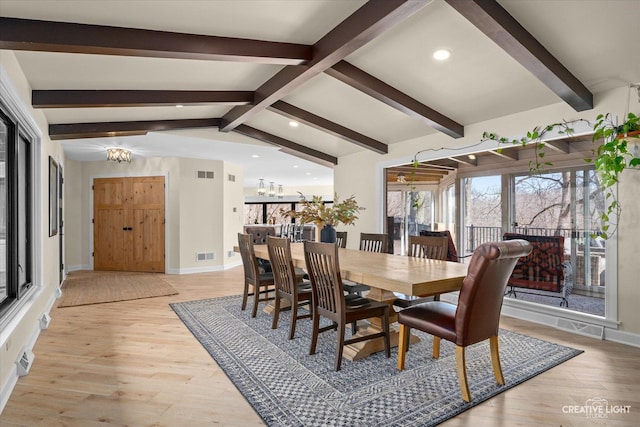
(16, 229)
(482, 211)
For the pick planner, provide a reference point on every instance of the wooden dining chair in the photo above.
(341, 239)
(431, 247)
(477, 315)
(329, 300)
(262, 282)
(289, 286)
(373, 242)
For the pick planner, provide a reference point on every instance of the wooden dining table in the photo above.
(386, 274)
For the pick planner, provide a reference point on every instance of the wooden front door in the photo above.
(128, 224)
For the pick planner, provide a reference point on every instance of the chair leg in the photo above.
(402, 345)
(462, 374)
(387, 337)
(294, 319)
(354, 328)
(314, 334)
(245, 294)
(495, 360)
(256, 298)
(436, 347)
(276, 312)
(340, 347)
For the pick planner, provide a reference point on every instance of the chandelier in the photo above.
(261, 189)
(119, 155)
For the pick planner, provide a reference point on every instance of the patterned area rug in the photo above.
(83, 287)
(288, 387)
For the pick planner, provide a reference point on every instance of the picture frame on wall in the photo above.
(53, 197)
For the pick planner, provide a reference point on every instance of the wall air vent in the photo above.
(581, 328)
(45, 319)
(204, 174)
(205, 256)
(24, 362)
(231, 178)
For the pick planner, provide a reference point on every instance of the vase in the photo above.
(328, 234)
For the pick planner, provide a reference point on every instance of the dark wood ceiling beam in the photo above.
(287, 146)
(135, 98)
(364, 82)
(497, 24)
(320, 123)
(107, 129)
(371, 20)
(49, 36)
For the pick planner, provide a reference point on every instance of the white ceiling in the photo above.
(595, 40)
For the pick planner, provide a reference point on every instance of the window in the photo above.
(16, 225)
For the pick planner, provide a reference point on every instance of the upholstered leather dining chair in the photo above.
(289, 286)
(262, 282)
(477, 315)
(329, 300)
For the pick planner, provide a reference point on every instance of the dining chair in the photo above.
(341, 239)
(477, 315)
(431, 247)
(373, 242)
(262, 282)
(289, 286)
(329, 300)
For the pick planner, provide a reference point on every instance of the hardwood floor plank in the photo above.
(134, 363)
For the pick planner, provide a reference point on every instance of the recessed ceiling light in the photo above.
(255, 156)
(307, 173)
(441, 54)
(472, 156)
(295, 166)
(294, 124)
(179, 106)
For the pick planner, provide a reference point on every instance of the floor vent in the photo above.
(205, 256)
(231, 254)
(581, 328)
(204, 174)
(44, 321)
(24, 362)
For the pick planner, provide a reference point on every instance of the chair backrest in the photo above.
(282, 264)
(482, 292)
(452, 254)
(428, 247)
(341, 239)
(372, 242)
(259, 233)
(324, 273)
(248, 255)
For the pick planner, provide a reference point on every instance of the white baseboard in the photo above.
(78, 268)
(549, 316)
(209, 269)
(12, 379)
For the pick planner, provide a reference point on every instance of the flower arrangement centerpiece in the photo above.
(326, 217)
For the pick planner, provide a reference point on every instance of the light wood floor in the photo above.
(134, 363)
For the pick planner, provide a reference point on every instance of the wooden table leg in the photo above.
(365, 348)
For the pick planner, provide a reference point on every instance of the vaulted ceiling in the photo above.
(354, 74)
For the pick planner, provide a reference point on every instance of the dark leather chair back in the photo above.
(480, 300)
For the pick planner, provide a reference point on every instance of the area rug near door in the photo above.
(288, 387)
(101, 287)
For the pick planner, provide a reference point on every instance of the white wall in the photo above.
(21, 330)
